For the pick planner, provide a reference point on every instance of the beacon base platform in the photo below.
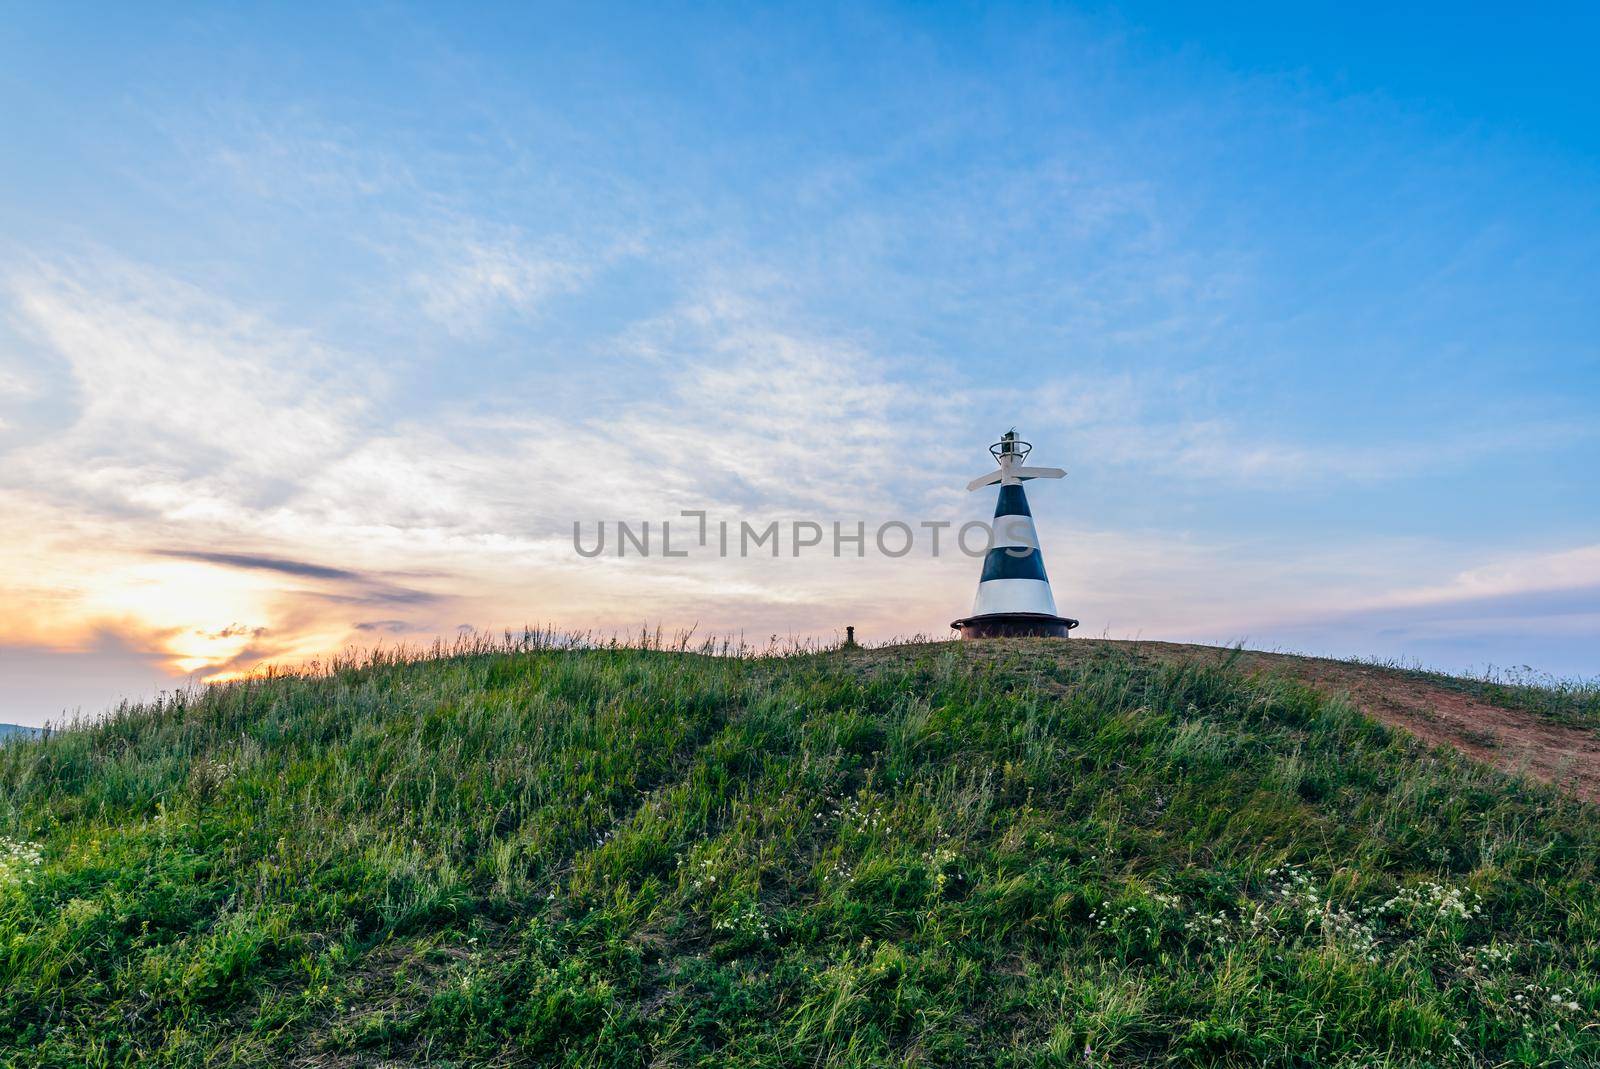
(1014, 624)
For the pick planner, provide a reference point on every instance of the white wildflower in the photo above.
(17, 861)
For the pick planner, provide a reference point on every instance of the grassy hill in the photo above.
(1029, 853)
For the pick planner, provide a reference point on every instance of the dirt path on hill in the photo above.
(1512, 740)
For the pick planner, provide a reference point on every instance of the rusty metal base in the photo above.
(1014, 624)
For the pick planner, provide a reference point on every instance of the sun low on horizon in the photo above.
(342, 329)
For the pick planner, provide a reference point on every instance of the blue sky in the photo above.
(382, 299)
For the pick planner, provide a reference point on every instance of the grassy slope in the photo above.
(929, 856)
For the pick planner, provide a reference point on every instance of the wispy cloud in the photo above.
(181, 403)
(297, 157)
(1146, 422)
(264, 563)
(352, 588)
(13, 384)
(1574, 572)
(464, 281)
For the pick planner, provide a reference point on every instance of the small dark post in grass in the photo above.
(849, 638)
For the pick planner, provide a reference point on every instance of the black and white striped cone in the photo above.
(1014, 592)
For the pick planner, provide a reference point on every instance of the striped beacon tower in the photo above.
(1014, 592)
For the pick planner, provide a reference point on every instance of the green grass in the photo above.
(923, 856)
